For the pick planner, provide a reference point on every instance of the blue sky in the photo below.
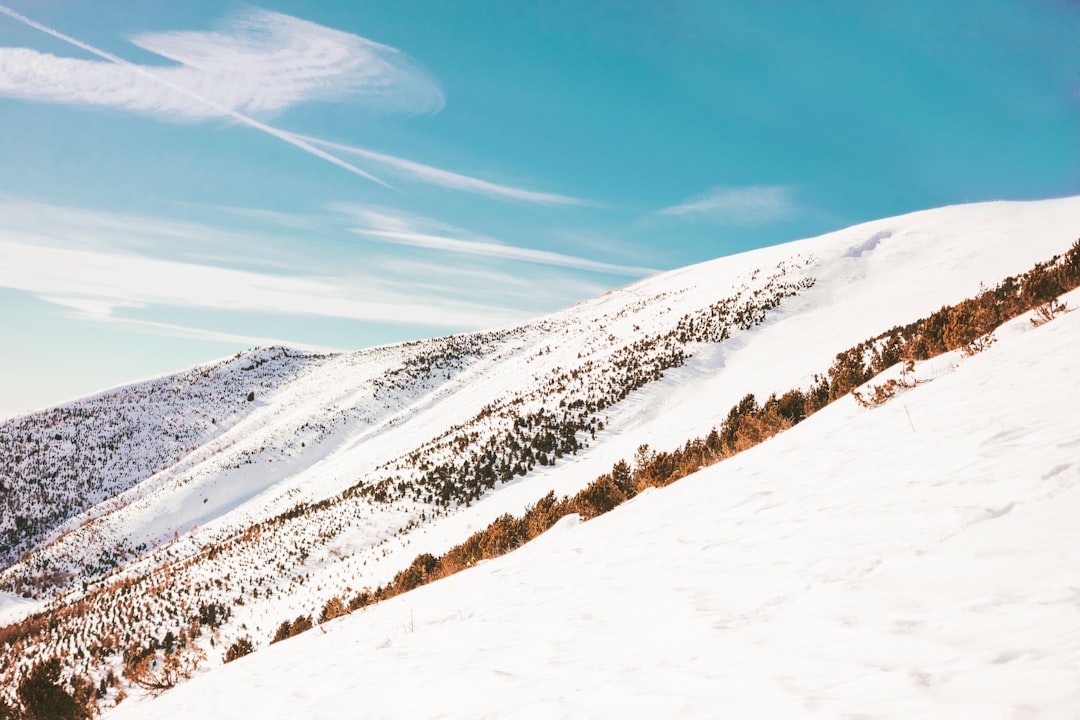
(179, 181)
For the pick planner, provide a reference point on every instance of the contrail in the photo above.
(448, 179)
(227, 111)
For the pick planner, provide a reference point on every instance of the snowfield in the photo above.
(915, 560)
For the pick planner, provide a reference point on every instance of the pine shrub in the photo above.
(243, 646)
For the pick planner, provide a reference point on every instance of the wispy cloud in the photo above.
(97, 283)
(256, 62)
(448, 179)
(129, 270)
(40, 224)
(273, 218)
(414, 231)
(267, 62)
(92, 263)
(747, 206)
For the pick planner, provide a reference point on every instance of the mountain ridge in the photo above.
(911, 559)
(717, 301)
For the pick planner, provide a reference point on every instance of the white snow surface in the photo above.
(915, 560)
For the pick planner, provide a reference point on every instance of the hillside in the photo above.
(212, 505)
(913, 560)
(63, 461)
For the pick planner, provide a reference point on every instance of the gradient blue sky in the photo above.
(179, 181)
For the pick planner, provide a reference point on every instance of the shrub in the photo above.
(302, 623)
(599, 497)
(158, 672)
(415, 575)
(243, 646)
(44, 698)
(335, 607)
(1047, 311)
(361, 600)
(287, 629)
(284, 632)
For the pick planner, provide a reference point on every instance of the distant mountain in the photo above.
(210, 506)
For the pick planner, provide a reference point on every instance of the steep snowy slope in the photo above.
(919, 559)
(58, 463)
(345, 467)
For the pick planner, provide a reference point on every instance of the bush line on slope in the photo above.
(503, 440)
(953, 327)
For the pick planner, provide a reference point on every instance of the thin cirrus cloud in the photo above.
(93, 264)
(745, 206)
(256, 62)
(113, 268)
(410, 230)
(169, 92)
(97, 283)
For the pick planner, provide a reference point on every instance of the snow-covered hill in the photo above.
(916, 560)
(216, 517)
(58, 463)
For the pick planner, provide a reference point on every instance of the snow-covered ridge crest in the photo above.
(338, 472)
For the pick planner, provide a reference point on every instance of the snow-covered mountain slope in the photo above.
(916, 560)
(58, 463)
(342, 468)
